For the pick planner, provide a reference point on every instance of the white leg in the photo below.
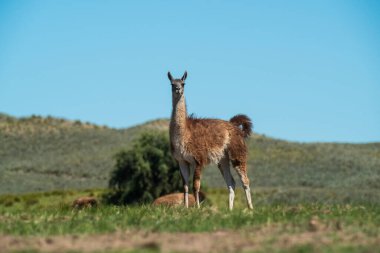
(185, 172)
(242, 172)
(186, 197)
(248, 196)
(231, 198)
(224, 167)
(197, 184)
(197, 199)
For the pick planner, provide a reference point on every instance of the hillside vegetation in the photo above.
(39, 154)
(46, 153)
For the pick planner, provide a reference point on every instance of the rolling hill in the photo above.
(46, 153)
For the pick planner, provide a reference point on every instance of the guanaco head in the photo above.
(178, 85)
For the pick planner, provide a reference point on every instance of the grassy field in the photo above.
(308, 197)
(47, 222)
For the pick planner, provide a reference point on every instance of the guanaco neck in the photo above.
(178, 118)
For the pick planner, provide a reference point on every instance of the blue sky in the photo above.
(302, 70)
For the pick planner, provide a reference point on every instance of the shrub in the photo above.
(144, 172)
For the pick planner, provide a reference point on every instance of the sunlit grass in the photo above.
(53, 215)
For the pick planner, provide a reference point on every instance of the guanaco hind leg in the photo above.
(197, 183)
(241, 169)
(224, 167)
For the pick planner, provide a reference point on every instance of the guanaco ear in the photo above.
(184, 76)
(170, 76)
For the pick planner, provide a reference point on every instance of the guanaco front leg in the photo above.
(185, 172)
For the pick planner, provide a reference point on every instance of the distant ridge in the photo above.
(47, 153)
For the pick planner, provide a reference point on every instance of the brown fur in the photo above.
(176, 199)
(198, 142)
(209, 134)
(84, 202)
(245, 123)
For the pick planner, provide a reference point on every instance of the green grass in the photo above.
(58, 221)
(52, 215)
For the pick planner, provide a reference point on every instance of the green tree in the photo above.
(144, 172)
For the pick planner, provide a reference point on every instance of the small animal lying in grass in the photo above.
(85, 202)
(176, 199)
